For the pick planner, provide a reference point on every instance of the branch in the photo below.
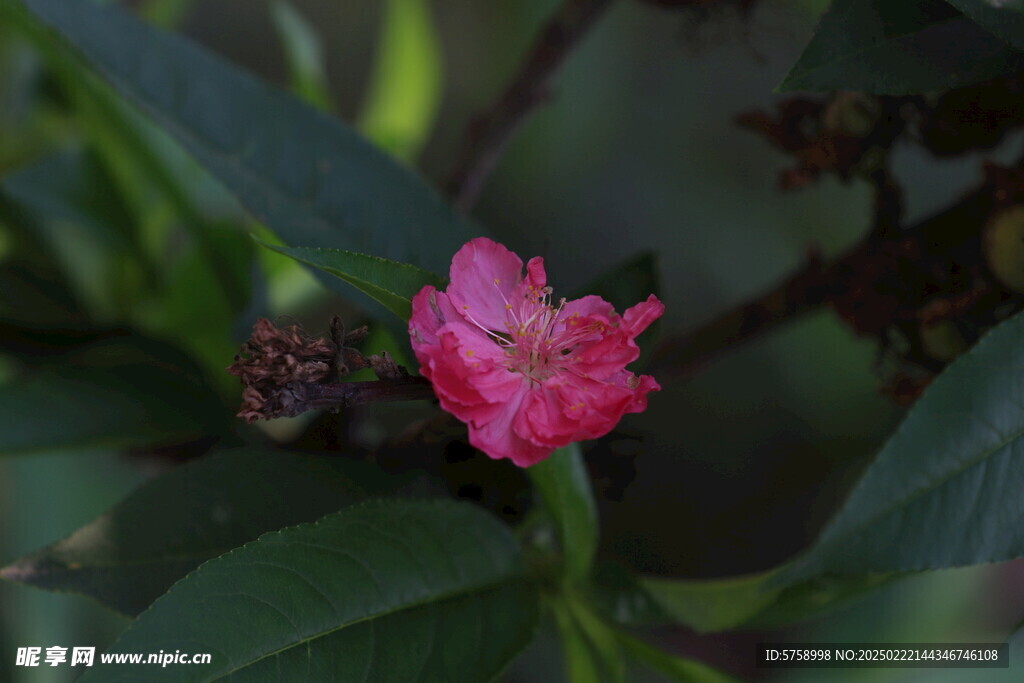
(285, 372)
(811, 286)
(310, 396)
(846, 283)
(490, 132)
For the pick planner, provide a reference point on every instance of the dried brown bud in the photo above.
(285, 372)
(347, 359)
(847, 134)
(385, 367)
(274, 359)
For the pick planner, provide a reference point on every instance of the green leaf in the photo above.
(134, 552)
(33, 288)
(945, 490)
(390, 283)
(135, 159)
(711, 604)
(756, 600)
(78, 211)
(588, 639)
(676, 668)
(387, 590)
(307, 176)
(129, 405)
(73, 187)
(617, 593)
(564, 489)
(43, 344)
(405, 90)
(997, 16)
(166, 12)
(207, 328)
(602, 639)
(1015, 5)
(134, 167)
(899, 48)
(579, 658)
(303, 53)
(817, 597)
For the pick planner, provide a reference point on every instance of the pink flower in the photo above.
(525, 375)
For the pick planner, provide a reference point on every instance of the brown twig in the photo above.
(801, 292)
(491, 131)
(348, 394)
(838, 283)
(285, 372)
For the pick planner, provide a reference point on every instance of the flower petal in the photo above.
(483, 276)
(479, 362)
(646, 385)
(571, 381)
(637, 318)
(542, 420)
(605, 356)
(590, 305)
(498, 439)
(431, 310)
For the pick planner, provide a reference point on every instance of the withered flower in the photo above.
(275, 364)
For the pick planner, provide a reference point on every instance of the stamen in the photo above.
(497, 337)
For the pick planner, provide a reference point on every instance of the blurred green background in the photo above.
(735, 468)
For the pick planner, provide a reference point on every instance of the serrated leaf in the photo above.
(307, 176)
(388, 282)
(944, 491)
(564, 489)
(899, 48)
(388, 590)
(131, 555)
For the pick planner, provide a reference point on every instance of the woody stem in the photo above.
(348, 394)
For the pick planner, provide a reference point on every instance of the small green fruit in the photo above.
(942, 341)
(1003, 245)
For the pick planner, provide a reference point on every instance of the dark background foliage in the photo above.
(731, 471)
